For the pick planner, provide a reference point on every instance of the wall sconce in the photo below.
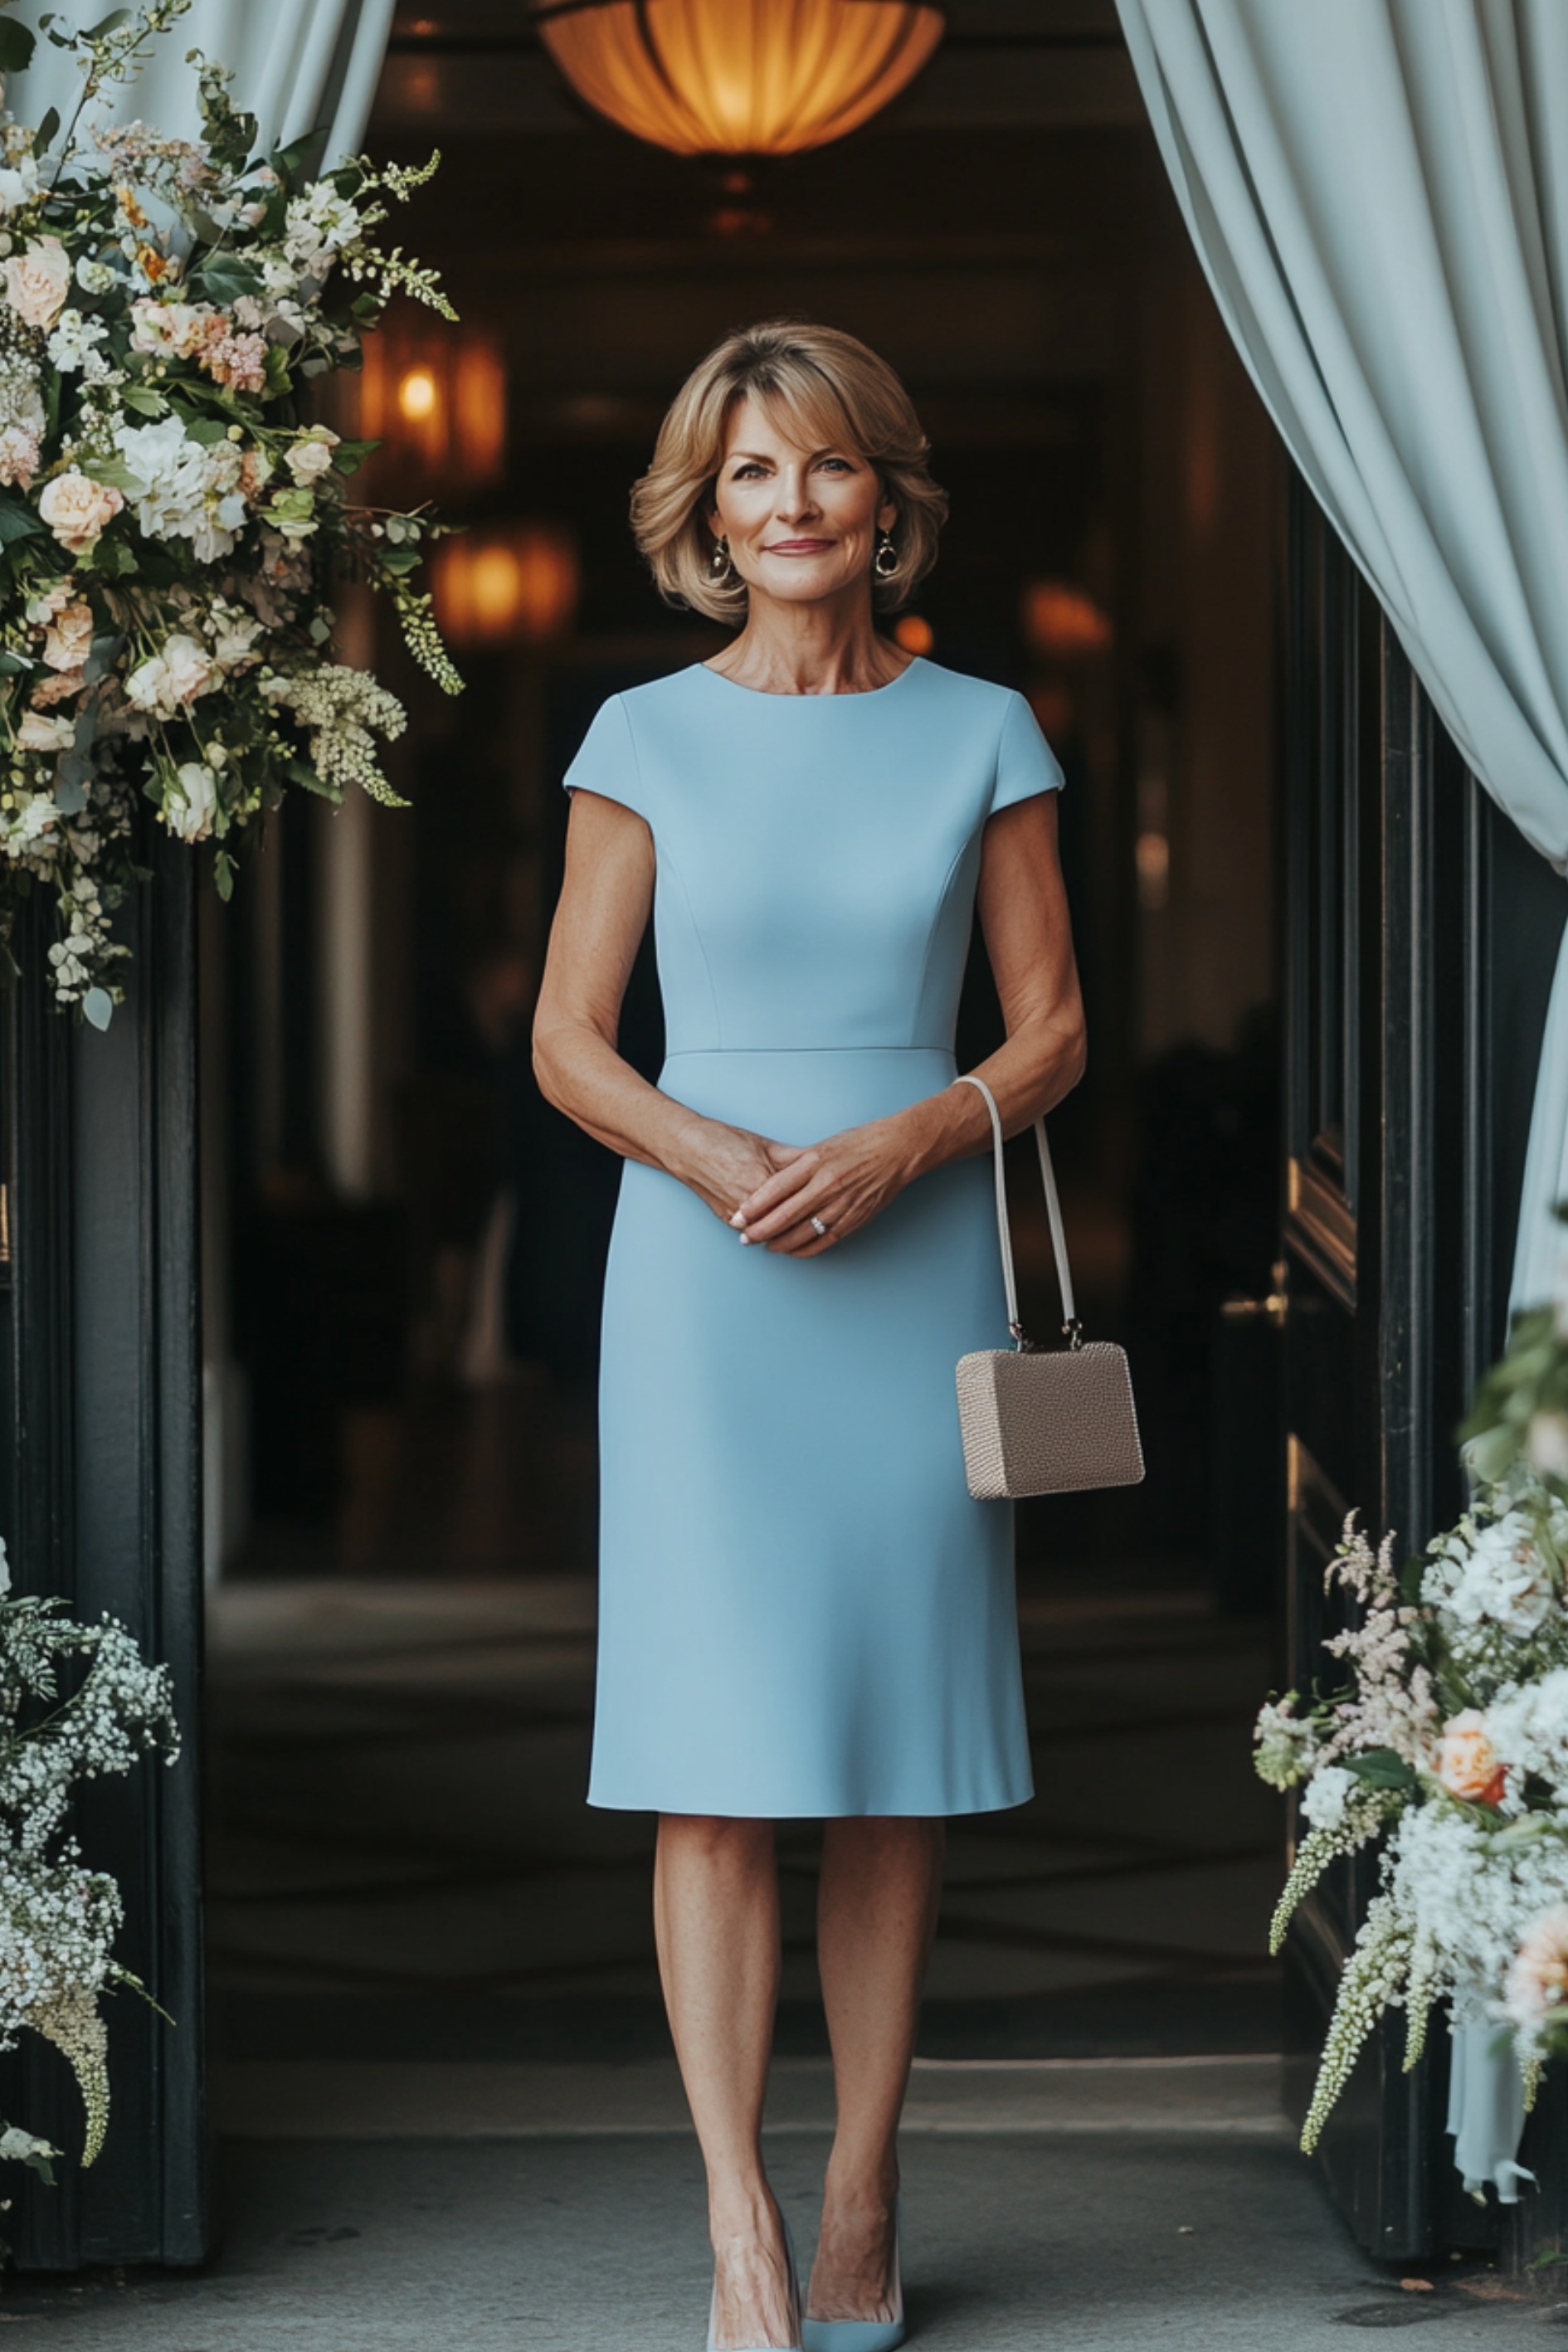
(507, 583)
(438, 404)
(1061, 621)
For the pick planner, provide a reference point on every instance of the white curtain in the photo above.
(297, 64)
(1378, 192)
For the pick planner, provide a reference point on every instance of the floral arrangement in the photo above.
(1450, 1744)
(57, 1918)
(171, 526)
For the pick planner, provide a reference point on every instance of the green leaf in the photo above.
(305, 776)
(112, 470)
(17, 43)
(143, 400)
(110, 24)
(98, 1006)
(350, 454)
(50, 124)
(18, 521)
(206, 430)
(223, 874)
(1380, 1768)
(10, 664)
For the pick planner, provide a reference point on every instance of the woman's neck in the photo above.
(810, 649)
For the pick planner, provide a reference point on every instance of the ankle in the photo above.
(864, 2193)
(741, 2213)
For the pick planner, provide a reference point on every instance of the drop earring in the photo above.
(885, 563)
(718, 562)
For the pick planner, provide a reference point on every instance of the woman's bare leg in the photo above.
(876, 1907)
(716, 1920)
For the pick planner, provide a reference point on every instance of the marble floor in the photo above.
(401, 1865)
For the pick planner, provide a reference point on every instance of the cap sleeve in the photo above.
(607, 759)
(1025, 764)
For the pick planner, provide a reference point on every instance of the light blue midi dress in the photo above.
(803, 1613)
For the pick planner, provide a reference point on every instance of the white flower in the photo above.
(18, 183)
(73, 339)
(312, 456)
(4, 1566)
(17, 2146)
(172, 677)
(189, 810)
(95, 277)
(1324, 1797)
(1502, 1580)
(37, 733)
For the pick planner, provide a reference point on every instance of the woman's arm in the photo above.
(599, 924)
(1023, 910)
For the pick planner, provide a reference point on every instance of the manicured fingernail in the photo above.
(745, 1240)
(738, 1218)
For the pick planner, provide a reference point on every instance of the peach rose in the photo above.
(1538, 1978)
(1467, 1761)
(77, 508)
(38, 281)
(56, 685)
(69, 639)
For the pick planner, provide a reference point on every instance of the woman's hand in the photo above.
(846, 1180)
(724, 1164)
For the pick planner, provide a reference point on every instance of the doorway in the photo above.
(404, 1241)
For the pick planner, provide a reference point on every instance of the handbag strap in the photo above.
(1071, 1326)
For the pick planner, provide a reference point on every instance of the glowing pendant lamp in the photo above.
(738, 76)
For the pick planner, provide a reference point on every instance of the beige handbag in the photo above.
(1043, 1421)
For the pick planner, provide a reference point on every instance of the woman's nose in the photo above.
(794, 497)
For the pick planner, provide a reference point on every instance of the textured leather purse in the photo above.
(1043, 1421)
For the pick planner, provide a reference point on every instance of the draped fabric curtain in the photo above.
(1378, 193)
(298, 65)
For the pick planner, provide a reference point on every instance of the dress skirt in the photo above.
(803, 1611)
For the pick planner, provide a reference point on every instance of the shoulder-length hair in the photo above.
(833, 392)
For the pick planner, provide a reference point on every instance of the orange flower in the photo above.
(152, 263)
(1467, 1761)
(131, 208)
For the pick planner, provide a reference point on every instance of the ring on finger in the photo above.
(819, 1228)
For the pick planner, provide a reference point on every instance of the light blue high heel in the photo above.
(861, 2335)
(793, 2290)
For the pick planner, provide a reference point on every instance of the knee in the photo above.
(715, 1839)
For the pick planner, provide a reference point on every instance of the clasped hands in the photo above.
(769, 1191)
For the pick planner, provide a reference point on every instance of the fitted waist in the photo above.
(797, 1093)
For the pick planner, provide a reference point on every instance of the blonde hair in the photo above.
(842, 393)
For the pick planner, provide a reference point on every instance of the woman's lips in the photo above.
(797, 547)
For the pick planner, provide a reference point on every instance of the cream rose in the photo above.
(38, 281)
(1538, 1978)
(189, 810)
(69, 639)
(1467, 1764)
(177, 328)
(177, 675)
(77, 508)
(308, 459)
(37, 733)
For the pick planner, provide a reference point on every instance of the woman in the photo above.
(803, 1613)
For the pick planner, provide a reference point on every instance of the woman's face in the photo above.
(802, 523)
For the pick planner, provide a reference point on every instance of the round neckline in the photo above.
(767, 694)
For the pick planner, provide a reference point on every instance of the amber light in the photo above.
(1062, 620)
(441, 405)
(508, 583)
(913, 633)
(738, 76)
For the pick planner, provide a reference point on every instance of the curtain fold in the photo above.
(1378, 193)
(298, 65)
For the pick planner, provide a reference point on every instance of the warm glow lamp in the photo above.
(441, 403)
(507, 583)
(738, 76)
(1062, 621)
